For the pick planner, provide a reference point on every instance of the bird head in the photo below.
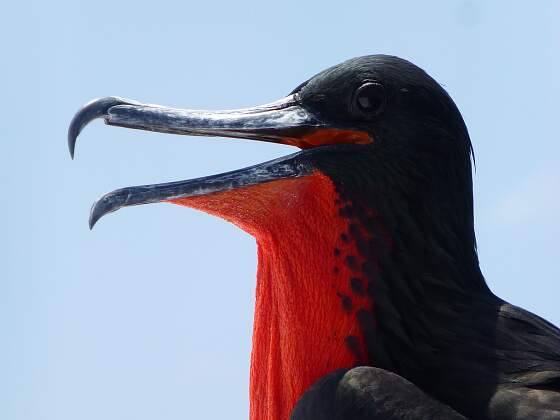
(380, 109)
(378, 201)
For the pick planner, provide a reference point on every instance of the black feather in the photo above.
(437, 323)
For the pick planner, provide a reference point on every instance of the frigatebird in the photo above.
(370, 303)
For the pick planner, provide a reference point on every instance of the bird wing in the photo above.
(527, 351)
(368, 393)
(528, 348)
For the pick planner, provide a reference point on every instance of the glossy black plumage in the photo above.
(438, 324)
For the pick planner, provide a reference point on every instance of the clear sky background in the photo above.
(149, 316)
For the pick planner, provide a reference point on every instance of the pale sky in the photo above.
(150, 314)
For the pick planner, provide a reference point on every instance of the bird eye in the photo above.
(369, 98)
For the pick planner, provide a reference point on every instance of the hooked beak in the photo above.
(285, 121)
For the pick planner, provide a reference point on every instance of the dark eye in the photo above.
(369, 99)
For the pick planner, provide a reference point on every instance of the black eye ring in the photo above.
(369, 99)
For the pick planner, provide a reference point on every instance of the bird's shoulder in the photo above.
(528, 348)
(530, 337)
(369, 393)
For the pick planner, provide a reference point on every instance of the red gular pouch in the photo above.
(307, 292)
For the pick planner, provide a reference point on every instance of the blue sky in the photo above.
(149, 316)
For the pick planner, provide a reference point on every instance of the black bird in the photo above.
(370, 300)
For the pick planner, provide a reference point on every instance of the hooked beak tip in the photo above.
(97, 108)
(92, 221)
(93, 216)
(99, 208)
